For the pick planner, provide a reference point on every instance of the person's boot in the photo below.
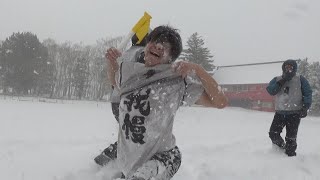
(291, 146)
(107, 155)
(282, 145)
(291, 153)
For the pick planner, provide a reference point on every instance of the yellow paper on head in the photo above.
(142, 27)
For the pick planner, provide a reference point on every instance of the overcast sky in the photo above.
(235, 31)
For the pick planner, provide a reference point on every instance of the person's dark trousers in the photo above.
(291, 122)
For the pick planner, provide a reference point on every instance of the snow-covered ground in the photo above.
(58, 141)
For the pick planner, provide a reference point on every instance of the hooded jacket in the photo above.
(294, 94)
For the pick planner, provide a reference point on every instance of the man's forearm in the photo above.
(211, 88)
(112, 55)
(112, 68)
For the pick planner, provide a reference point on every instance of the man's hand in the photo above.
(112, 54)
(303, 112)
(281, 82)
(185, 68)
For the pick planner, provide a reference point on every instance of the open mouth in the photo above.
(155, 54)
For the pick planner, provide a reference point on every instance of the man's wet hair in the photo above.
(167, 34)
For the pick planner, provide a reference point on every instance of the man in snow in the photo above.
(293, 98)
(150, 95)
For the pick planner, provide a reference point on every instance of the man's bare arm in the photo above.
(212, 96)
(112, 65)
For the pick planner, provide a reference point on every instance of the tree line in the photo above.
(48, 69)
(29, 67)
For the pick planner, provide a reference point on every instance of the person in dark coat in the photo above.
(293, 98)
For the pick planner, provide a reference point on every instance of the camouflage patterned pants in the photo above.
(162, 166)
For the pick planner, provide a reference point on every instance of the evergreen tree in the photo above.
(1, 68)
(312, 73)
(24, 60)
(303, 68)
(197, 53)
(314, 80)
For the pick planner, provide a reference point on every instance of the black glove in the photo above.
(281, 82)
(303, 112)
(288, 76)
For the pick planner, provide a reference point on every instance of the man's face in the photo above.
(288, 68)
(157, 53)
